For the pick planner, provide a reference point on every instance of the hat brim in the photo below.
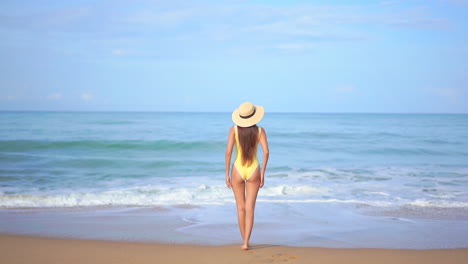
(247, 122)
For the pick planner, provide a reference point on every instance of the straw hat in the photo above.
(247, 114)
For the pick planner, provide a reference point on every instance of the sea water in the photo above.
(333, 179)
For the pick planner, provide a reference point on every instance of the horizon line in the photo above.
(216, 112)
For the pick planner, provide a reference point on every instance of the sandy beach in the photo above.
(30, 249)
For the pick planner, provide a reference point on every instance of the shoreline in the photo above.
(34, 249)
(331, 227)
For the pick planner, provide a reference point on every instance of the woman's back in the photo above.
(247, 139)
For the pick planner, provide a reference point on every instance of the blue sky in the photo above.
(290, 56)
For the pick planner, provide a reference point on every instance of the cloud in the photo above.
(86, 96)
(7, 97)
(456, 2)
(388, 2)
(116, 19)
(294, 46)
(446, 92)
(52, 20)
(449, 94)
(119, 52)
(172, 28)
(54, 96)
(432, 23)
(345, 89)
(158, 18)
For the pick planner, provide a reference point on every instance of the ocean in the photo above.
(333, 179)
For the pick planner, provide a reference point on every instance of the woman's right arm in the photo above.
(266, 155)
(229, 147)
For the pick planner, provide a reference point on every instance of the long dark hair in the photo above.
(248, 139)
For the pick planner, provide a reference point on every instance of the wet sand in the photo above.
(33, 249)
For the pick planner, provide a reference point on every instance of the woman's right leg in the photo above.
(238, 186)
(253, 185)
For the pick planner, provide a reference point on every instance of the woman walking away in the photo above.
(247, 174)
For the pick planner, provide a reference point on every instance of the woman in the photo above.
(247, 174)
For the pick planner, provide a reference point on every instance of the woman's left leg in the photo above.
(252, 186)
(238, 186)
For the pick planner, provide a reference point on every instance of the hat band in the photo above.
(249, 116)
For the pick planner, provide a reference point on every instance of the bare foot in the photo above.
(245, 247)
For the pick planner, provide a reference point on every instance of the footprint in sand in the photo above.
(283, 257)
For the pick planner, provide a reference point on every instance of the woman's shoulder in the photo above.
(261, 130)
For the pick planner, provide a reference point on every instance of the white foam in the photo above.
(446, 204)
(149, 195)
(282, 190)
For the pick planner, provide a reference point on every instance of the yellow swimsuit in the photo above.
(244, 170)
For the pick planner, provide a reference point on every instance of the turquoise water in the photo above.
(385, 163)
(70, 159)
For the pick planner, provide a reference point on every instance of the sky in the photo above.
(210, 56)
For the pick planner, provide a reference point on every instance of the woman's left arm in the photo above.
(229, 147)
